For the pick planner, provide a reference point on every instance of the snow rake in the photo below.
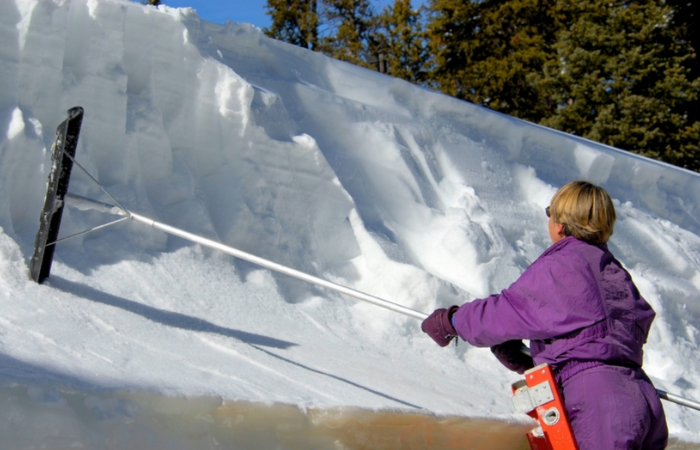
(63, 160)
(62, 155)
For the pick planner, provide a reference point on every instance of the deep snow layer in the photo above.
(328, 168)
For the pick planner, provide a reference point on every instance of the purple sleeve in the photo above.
(554, 296)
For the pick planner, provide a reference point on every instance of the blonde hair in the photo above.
(586, 211)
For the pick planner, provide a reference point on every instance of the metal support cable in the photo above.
(126, 211)
(105, 225)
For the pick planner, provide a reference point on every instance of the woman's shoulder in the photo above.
(570, 248)
(568, 258)
(562, 277)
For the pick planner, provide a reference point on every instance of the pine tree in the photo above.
(491, 52)
(452, 25)
(620, 79)
(401, 42)
(685, 18)
(294, 21)
(349, 28)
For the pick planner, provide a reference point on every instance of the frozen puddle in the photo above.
(57, 418)
(60, 418)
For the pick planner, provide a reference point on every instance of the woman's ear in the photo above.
(556, 231)
(559, 228)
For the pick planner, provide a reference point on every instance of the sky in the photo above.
(330, 169)
(242, 11)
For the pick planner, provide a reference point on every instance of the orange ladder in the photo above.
(538, 396)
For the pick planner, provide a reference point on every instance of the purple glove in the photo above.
(438, 325)
(510, 355)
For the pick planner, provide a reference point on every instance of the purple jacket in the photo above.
(576, 304)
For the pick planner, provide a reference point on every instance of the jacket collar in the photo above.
(571, 241)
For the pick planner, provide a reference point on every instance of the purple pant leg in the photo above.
(615, 408)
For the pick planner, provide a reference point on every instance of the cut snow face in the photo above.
(330, 169)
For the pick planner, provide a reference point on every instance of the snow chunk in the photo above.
(16, 124)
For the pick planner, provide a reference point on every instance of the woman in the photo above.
(583, 316)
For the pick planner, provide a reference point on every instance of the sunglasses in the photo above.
(546, 211)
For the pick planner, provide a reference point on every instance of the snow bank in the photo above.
(328, 168)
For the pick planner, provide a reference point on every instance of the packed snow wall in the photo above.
(328, 168)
